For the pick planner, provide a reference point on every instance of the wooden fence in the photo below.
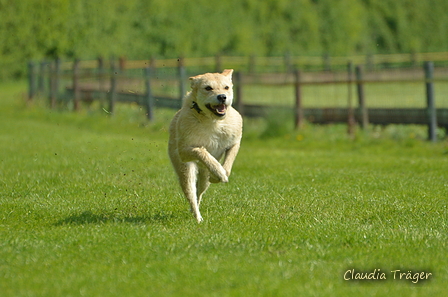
(70, 83)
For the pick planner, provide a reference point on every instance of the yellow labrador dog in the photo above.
(205, 131)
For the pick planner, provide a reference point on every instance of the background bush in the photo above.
(34, 29)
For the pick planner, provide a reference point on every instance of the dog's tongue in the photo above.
(220, 108)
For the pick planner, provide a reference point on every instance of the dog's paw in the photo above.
(220, 176)
(225, 179)
(216, 180)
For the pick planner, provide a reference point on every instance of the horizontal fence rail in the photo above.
(251, 62)
(162, 83)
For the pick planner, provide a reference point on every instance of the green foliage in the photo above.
(34, 29)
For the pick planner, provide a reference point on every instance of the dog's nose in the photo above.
(222, 98)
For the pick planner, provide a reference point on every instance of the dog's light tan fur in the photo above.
(200, 136)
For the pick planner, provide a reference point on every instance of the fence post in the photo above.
(58, 75)
(182, 78)
(298, 105)
(52, 97)
(239, 92)
(41, 78)
(370, 63)
(252, 64)
(351, 114)
(31, 81)
(361, 98)
(327, 62)
(54, 81)
(113, 88)
(288, 64)
(153, 65)
(76, 89)
(148, 101)
(430, 102)
(101, 81)
(413, 58)
(122, 64)
(218, 63)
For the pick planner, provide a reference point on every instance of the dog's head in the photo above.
(212, 92)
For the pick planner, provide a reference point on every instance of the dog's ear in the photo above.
(194, 79)
(227, 72)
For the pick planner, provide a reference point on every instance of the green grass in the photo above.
(90, 206)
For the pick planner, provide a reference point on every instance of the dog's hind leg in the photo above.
(188, 179)
(202, 183)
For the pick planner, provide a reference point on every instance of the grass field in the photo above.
(90, 206)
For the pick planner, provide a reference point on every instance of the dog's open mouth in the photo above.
(218, 109)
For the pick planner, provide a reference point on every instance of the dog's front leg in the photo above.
(229, 158)
(201, 154)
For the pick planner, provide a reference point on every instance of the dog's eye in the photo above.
(226, 87)
(208, 88)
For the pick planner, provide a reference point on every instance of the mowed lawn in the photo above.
(90, 206)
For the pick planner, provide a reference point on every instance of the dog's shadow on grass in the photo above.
(88, 217)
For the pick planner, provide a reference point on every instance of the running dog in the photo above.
(205, 131)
